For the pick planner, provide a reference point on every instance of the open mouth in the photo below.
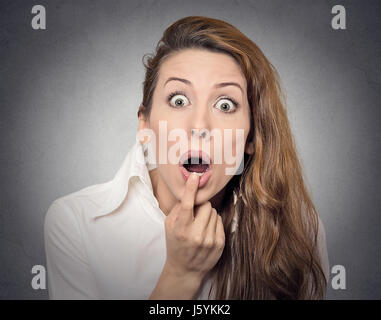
(196, 161)
(196, 165)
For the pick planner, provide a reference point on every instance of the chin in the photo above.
(202, 197)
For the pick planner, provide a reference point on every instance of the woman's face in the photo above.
(200, 101)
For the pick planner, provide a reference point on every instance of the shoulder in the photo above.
(60, 226)
(81, 202)
(67, 219)
(58, 214)
(65, 214)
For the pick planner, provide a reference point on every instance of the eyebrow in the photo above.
(218, 85)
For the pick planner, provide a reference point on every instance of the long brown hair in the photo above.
(273, 252)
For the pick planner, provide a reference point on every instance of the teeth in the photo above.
(200, 173)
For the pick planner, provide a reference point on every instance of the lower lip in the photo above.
(203, 179)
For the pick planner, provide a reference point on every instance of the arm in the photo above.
(69, 275)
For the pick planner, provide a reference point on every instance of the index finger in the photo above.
(187, 201)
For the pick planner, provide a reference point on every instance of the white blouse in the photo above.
(107, 241)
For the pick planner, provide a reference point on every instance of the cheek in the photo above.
(234, 144)
(233, 154)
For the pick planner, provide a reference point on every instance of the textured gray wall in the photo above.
(69, 96)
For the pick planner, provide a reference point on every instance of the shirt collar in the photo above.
(134, 165)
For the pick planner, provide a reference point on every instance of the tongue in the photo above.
(196, 167)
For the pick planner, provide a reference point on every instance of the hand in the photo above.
(195, 235)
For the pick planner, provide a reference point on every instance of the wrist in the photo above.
(186, 278)
(177, 285)
(186, 281)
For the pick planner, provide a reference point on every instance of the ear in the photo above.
(143, 121)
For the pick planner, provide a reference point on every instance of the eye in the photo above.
(227, 105)
(177, 99)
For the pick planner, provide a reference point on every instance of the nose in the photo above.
(203, 133)
(200, 124)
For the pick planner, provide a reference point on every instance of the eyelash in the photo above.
(171, 95)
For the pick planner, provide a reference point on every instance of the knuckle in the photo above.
(209, 243)
(179, 235)
(220, 244)
(197, 240)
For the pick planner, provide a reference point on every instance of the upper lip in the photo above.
(196, 153)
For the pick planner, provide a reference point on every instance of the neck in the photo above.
(164, 196)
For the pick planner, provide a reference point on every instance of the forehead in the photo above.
(202, 67)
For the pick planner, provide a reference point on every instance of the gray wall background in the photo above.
(69, 96)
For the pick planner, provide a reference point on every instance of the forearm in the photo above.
(172, 286)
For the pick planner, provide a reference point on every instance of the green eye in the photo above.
(177, 100)
(226, 105)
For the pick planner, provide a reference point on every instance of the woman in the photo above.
(159, 231)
